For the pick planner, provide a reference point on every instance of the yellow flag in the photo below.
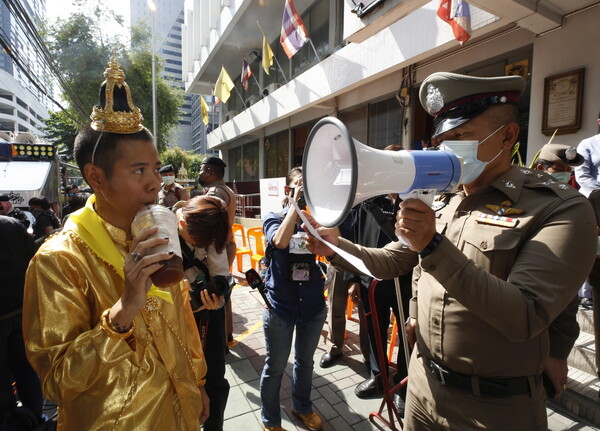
(204, 108)
(267, 57)
(223, 86)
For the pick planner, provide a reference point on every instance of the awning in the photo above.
(23, 180)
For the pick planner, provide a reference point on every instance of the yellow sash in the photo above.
(87, 225)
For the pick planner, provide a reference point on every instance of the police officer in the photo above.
(493, 267)
(170, 191)
(558, 160)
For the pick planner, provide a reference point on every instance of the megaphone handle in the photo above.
(424, 195)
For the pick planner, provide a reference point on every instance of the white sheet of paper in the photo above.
(353, 260)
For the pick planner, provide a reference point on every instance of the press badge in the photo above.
(300, 259)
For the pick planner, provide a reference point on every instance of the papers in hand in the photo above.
(353, 260)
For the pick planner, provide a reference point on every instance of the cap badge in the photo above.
(570, 153)
(434, 99)
(505, 208)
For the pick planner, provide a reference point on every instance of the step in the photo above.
(585, 320)
(583, 355)
(581, 397)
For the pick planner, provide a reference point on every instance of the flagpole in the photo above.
(313, 47)
(241, 98)
(279, 65)
(213, 107)
(274, 56)
(255, 80)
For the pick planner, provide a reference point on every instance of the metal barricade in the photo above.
(247, 205)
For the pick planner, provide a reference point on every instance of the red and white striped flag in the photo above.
(293, 34)
(246, 73)
(458, 15)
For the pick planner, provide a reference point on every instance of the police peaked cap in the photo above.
(453, 99)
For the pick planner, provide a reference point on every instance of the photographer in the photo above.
(203, 232)
(295, 290)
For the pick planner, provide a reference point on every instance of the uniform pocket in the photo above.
(492, 248)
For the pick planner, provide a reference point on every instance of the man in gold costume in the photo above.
(114, 351)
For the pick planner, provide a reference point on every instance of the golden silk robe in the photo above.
(147, 382)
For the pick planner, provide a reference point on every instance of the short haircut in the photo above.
(40, 201)
(219, 171)
(207, 221)
(107, 152)
(500, 115)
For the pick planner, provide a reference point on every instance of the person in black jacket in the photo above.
(16, 249)
(203, 235)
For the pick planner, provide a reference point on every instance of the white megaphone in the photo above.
(340, 172)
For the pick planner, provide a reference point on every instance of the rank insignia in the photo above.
(505, 208)
(496, 220)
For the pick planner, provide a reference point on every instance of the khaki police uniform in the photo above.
(169, 197)
(221, 190)
(484, 299)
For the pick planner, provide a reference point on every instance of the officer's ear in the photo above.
(539, 167)
(510, 135)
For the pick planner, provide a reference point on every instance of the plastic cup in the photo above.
(157, 215)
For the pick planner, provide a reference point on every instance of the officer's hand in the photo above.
(557, 370)
(354, 292)
(331, 235)
(415, 223)
(411, 332)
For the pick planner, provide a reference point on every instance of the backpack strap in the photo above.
(190, 260)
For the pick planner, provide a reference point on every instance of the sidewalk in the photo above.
(333, 388)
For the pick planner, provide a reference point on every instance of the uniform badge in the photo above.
(509, 185)
(505, 208)
(496, 220)
(434, 99)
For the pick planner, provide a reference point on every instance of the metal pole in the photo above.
(154, 122)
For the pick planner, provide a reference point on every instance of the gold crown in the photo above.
(114, 89)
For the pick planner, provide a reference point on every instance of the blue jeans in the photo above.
(278, 338)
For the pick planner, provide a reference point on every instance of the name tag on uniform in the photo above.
(496, 220)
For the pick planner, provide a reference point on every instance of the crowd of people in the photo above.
(488, 279)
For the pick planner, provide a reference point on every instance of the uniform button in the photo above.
(484, 245)
(300, 299)
(435, 321)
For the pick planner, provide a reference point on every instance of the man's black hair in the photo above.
(106, 151)
(40, 201)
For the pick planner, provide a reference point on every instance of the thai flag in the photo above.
(293, 34)
(458, 15)
(246, 73)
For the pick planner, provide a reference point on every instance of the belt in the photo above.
(498, 387)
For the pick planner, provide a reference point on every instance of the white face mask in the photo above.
(168, 180)
(472, 167)
(561, 177)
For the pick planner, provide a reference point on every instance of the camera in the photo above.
(219, 285)
(301, 200)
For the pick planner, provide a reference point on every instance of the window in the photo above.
(356, 122)
(277, 155)
(235, 170)
(385, 123)
(316, 22)
(250, 162)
